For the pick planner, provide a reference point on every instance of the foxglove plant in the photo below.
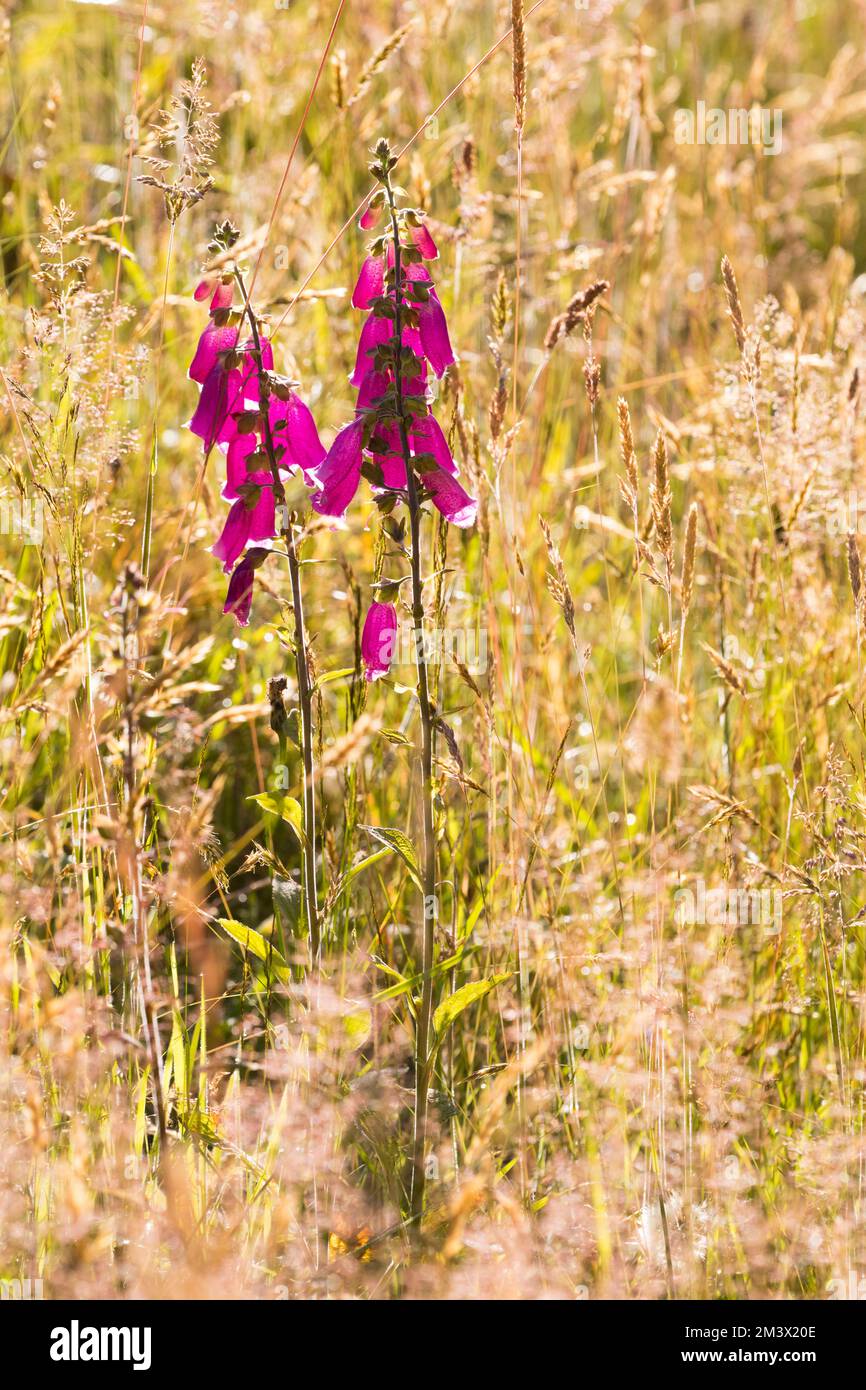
(254, 416)
(397, 444)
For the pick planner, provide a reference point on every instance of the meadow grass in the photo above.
(646, 1004)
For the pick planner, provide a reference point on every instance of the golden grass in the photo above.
(649, 704)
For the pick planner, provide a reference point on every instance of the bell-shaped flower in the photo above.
(448, 497)
(212, 342)
(340, 474)
(378, 640)
(295, 434)
(213, 421)
(435, 342)
(371, 282)
(251, 518)
(240, 591)
(223, 292)
(423, 240)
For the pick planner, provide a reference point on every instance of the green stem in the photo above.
(423, 1025)
(305, 688)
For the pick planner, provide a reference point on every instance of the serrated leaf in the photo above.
(401, 844)
(253, 942)
(455, 1004)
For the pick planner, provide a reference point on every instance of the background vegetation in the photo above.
(642, 1106)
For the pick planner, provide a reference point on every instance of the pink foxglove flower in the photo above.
(452, 500)
(340, 474)
(261, 425)
(220, 287)
(378, 640)
(213, 341)
(239, 598)
(251, 518)
(374, 437)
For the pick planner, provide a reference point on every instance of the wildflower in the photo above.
(378, 639)
(390, 374)
(251, 518)
(213, 341)
(240, 591)
(258, 421)
(223, 292)
(340, 473)
(397, 444)
(450, 498)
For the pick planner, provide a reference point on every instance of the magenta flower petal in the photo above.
(371, 390)
(248, 520)
(427, 438)
(263, 524)
(425, 243)
(236, 465)
(212, 342)
(450, 498)
(240, 591)
(418, 272)
(434, 334)
(371, 282)
(375, 331)
(234, 536)
(370, 216)
(392, 465)
(340, 473)
(238, 473)
(378, 640)
(202, 290)
(212, 421)
(299, 436)
(222, 296)
(418, 385)
(393, 470)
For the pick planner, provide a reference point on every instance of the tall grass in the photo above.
(645, 994)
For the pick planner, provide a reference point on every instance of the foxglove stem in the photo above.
(305, 690)
(425, 1012)
(305, 698)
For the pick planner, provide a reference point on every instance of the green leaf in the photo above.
(286, 807)
(455, 1004)
(359, 868)
(394, 736)
(401, 844)
(253, 942)
(328, 676)
(410, 982)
